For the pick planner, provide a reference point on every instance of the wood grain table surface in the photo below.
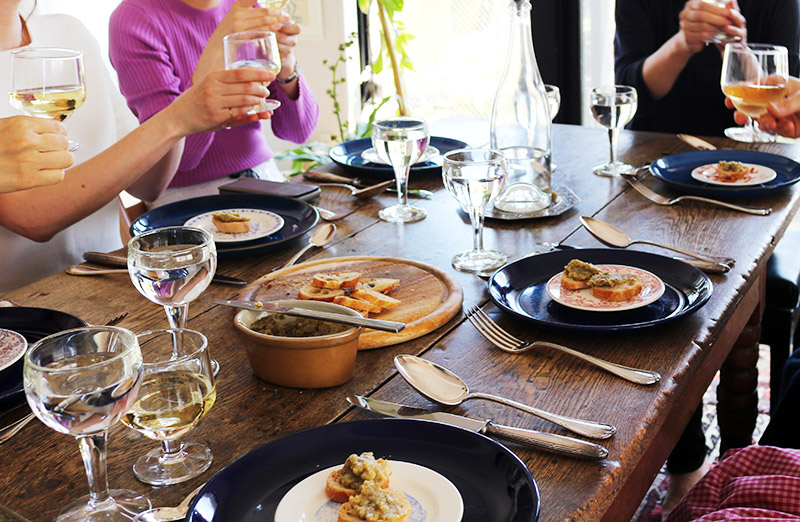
(41, 470)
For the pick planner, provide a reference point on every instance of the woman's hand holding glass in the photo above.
(33, 152)
(783, 116)
(254, 50)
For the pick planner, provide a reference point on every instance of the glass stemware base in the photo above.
(162, 469)
(402, 214)
(122, 506)
(750, 134)
(611, 170)
(523, 198)
(478, 261)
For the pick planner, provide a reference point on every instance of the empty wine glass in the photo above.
(613, 107)
(177, 391)
(475, 177)
(400, 142)
(80, 382)
(47, 83)
(753, 76)
(254, 50)
(172, 266)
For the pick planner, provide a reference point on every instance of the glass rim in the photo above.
(619, 89)
(242, 35)
(132, 243)
(757, 48)
(58, 53)
(382, 123)
(72, 331)
(179, 359)
(501, 157)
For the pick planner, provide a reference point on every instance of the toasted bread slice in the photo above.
(337, 491)
(376, 298)
(315, 293)
(356, 304)
(394, 506)
(615, 287)
(361, 469)
(573, 284)
(577, 274)
(383, 285)
(231, 227)
(336, 280)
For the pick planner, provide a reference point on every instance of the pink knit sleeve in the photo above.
(294, 120)
(139, 51)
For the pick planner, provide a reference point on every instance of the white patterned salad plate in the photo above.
(433, 498)
(262, 224)
(652, 289)
(757, 174)
(12, 347)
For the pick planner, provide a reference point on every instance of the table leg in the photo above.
(737, 396)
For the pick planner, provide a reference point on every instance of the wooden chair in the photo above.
(128, 215)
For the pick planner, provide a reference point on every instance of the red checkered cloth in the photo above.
(758, 483)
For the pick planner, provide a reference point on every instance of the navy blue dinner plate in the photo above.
(494, 484)
(676, 170)
(348, 155)
(298, 216)
(33, 324)
(519, 288)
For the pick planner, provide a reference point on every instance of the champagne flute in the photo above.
(177, 390)
(475, 177)
(81, 382)
(400, 142)
(553, 94)
(613, 107)
(254, 50)
(753, 76)
(47, 83)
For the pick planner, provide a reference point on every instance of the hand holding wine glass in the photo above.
(177, 390)
(47, 82)
(254, 50)
(753, 76)
(613, 107)
(475, 177)
(81, 382)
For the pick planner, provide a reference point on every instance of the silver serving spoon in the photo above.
(321, 236)
(615, 237)
(361, 193)
(697, 143)
(443, 386)
(168, 514)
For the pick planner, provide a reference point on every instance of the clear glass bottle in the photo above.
(520, 122)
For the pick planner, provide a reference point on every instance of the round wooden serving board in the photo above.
(429, 297)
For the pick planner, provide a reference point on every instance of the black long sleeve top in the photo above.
(695, 104)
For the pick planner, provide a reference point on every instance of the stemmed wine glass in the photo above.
(753, 76)
(81, 382)
(721, 36)
(177, 390)
(475, 177)
(553, 104)
(254, 50)
(400, 142)
(47, 83)
(613, 107)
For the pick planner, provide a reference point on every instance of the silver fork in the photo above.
(659, 199)
(508, 343)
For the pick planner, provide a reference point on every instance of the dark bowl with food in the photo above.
(298, 352)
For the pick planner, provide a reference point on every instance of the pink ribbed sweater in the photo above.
(154, 46)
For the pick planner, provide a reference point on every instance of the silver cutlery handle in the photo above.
(740, 208)
(626, 372)
(705, 266)
(11, 430)
(548, 441)
(591, 429)
(724, 260)
(377, 324)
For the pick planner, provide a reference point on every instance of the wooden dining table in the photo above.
(41, 470)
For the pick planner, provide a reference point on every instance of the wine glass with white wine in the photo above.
(47, 82)
(613, 106)
(753, 76)
(254, 50)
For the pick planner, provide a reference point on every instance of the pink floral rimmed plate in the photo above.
(12, 347)
(652, 289)
(262, 223)
(757, 175)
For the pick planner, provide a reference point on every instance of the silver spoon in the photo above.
(697, 143)
(362, 193)
(168, 514)
(319, 238)
(615, 237)
(443, 386)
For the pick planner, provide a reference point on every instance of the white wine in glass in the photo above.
(254, 50)
(47, 83)
(613, 107)
(753, 76)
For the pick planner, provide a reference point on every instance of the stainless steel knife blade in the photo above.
(536, 439)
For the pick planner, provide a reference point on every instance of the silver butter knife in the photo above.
(352, 320)
(102, 258)
(535, 439)
(697, 143)
(705, 266)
